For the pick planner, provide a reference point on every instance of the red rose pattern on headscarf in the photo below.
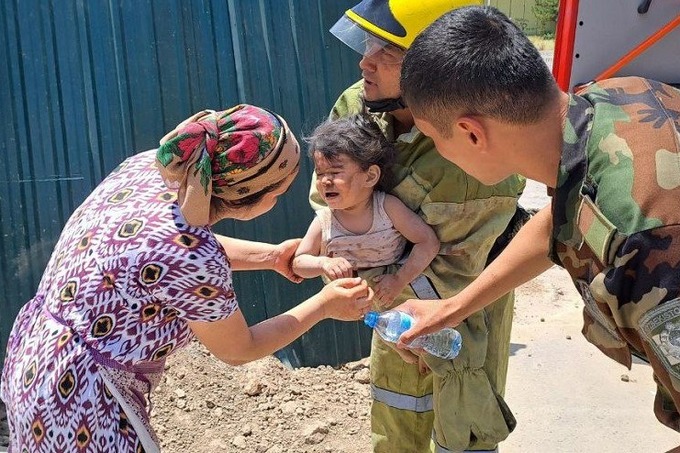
(227, 155)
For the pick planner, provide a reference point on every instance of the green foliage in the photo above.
(522, 23)
(546, 15)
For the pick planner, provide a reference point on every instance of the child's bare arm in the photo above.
(415, 230)
(307, 262)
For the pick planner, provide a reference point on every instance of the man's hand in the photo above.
(429, 316)
(407, 355)
(283, 259)
(422, 366)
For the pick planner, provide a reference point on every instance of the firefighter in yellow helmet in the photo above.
(458, 406)
(385, 29)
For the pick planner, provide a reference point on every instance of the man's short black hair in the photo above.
(475, 60)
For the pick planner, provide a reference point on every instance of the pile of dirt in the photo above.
(204, 405)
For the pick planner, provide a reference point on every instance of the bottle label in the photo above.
(405, 321)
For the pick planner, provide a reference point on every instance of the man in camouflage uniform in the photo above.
(459, 406)
(610, 153)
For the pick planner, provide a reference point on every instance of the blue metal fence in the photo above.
(84, 84)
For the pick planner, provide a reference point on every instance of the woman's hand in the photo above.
(335, 268)
(283, 259)
(346, 299)
(232, 341)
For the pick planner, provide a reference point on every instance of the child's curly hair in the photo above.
(359, 138)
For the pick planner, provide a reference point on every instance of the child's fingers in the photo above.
(382, 293)
(381, 302)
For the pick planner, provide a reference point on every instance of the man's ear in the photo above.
(473, 130)
(372, 175)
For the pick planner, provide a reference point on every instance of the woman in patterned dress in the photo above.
(137, 273)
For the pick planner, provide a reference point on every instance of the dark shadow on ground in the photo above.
(514, 347)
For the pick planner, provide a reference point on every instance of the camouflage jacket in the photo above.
(616, 216)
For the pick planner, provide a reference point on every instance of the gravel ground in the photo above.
(206, 406)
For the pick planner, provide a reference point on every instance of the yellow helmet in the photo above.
(395, 22)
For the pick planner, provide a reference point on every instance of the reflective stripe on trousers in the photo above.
(401, 401)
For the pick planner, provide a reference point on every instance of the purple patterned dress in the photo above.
(125, 277)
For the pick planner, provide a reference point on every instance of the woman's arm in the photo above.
(232, 341)
(250, 255)
(524, 258)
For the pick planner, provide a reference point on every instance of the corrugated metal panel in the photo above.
(83, 84)
(520, 11)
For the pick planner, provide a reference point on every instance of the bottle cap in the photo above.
(371, 319)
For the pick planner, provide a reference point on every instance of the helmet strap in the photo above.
(385, 105)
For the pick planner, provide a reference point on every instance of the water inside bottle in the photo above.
(395, 329)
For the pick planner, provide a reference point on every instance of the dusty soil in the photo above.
(203, 405)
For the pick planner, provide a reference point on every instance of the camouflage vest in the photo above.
(616, 215)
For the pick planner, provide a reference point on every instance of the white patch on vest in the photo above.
(667, 174)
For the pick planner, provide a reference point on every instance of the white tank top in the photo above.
(379, 246)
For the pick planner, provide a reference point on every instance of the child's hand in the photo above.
(335, 268)
(387, 289)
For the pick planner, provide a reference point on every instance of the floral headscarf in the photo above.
(226, 155)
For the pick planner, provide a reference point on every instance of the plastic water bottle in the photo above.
(392, 323)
